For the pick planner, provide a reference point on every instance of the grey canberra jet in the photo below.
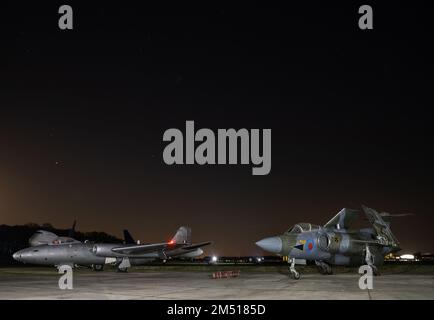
(41, 237)
(58, 251)
(128, 239)
(335, 243)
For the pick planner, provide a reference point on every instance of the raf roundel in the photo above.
(309, 244)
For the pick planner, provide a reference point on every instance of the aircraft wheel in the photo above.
(122, 269)
(98, 267)
(325, 269)
(295, 275)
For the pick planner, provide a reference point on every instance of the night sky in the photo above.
(83, 112)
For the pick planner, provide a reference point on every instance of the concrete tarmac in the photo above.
(42, 283)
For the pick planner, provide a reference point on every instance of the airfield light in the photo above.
(214, 259)
(407, 257)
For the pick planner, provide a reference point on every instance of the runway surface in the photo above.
(42, 283)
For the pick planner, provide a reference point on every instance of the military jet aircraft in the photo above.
(58, 251)
(335, 243)
(42, 237)
(194, 253)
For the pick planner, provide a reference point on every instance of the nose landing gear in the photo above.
(294, 273)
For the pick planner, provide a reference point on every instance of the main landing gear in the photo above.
(124, 265)
(369, 259)
(98, 267)
(324, 268)
(294, 273)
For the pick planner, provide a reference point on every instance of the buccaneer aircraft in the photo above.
(335, 243)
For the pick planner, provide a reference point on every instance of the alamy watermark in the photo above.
(366, 280)
(210, 151)
(66, 19)
(66, 280)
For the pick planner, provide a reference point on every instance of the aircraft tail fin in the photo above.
(128, 238)
(71, 232)
(381, 227)
(182, 236)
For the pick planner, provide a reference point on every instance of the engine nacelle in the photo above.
(192, 254)
(325, 242)
(336, 243)
(104, 250)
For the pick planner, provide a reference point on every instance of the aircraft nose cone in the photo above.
(271, 244)
(16, 256)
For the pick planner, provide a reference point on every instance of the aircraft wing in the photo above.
(184, 249)
(381, 227)
(147, 248)
(196, 245)
(373, 242)
(143, 248)
(342, 219)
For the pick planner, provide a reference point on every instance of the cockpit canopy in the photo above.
(61, 240)
(303, 227)
(42, 237)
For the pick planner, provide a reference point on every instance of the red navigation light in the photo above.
(172, 241)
